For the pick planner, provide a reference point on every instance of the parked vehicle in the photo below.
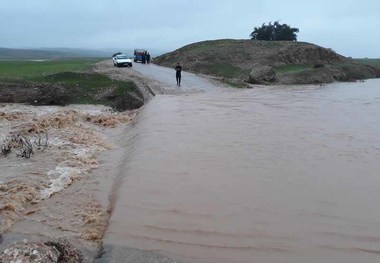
(122, 60)
(139, 54)
(117, 53)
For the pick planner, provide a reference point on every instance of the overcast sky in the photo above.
(350, 27)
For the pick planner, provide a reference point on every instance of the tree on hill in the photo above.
(274, 32)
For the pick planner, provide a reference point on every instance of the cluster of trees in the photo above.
(274, 32)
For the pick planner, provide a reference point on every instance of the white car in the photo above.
(122, 60)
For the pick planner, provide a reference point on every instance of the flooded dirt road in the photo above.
(191, 83)
(270, 174)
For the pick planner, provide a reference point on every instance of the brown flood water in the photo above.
(273, 174)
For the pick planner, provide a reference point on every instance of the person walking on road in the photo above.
(178, 70)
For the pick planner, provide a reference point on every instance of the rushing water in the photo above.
(272, 174)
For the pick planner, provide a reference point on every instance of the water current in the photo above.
(269, 174)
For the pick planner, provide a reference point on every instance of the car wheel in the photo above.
(130, 65)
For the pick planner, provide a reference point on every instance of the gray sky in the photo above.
(349, 27)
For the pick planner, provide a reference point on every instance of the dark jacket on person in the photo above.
(178, 69)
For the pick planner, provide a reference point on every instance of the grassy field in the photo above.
(82, 85)
(293, 68)
(16, 69)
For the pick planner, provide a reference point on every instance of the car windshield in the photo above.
(122, 57)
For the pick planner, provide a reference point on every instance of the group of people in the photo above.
(145, 57)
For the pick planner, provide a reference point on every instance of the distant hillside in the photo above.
(52, 53)
(266, 62)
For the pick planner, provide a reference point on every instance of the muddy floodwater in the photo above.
(200, 174)
(269, 174)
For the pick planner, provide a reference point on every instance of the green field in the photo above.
(85, 86)
(81, 85)
(223, 70)
(26, 70)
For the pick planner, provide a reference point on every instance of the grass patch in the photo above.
(223, 70)
(28, 70)
(375, 62)
(341, 65)
(293, 68)
(235, 84)
(85, 87)
(62, 82)
(353, 72)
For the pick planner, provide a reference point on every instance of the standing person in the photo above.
(178, 70)
(147, 58)
(143, 57)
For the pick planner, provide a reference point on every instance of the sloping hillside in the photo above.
(267, 62)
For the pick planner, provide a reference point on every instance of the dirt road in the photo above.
(153, 79)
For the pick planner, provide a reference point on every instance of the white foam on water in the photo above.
(60, 178)
(83, 152)
(38, 110)
(55, 141)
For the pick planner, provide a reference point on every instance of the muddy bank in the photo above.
(326, 74)
(73, 88)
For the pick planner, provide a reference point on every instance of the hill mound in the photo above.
(263, 62)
